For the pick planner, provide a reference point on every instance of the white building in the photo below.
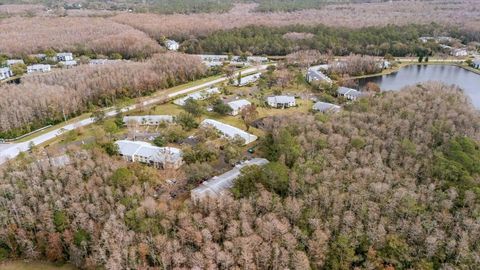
(238, 105)
(158, 157)
(5, 73)
(68, 63)
(325, 107)
(229, 131)
(172, 45)
(247, 79)
(148, 120)
(40, 56)
(349, 93)
(281, 101)
(314, 74)
(199, 95)
(476, 63)
(219, 184)
(38, 68)
(102, 61)
(459, 52)
(12, 62)
(64, 56)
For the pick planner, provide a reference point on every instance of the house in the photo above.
(257, 59)
(476, 63)
(148, 120)
(316, 75)
(281, 101)
(238, 105)
(158, 157)
(199, 95)
(229, 131)
(102, 61)
(5, 73)
(349, 93)
(221, 183)
(38, 68)
(65, 56)
(247, 79)
(325, 107)
(459, 52)
(12, 62)
(40, 56)
(172, 45)
(68, 63)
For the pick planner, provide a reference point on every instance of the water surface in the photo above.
(415, 74)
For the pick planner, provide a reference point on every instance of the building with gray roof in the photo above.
(11, 62)
(238, 105)
(247, 79)
(158, 157)
(230, 131)
(281, 101)
(64, 56)
(314, 74)
(219, 184)
(476, 63)
(38, 68)
(199, 95)
(5, 73)
(349, 93)
(148, 120)
(325, 107)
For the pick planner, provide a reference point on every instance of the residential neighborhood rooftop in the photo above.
(148, 119)
(218, 184)
(238, 104)
(325, 107)
(199, 95)
(230, 131)
(248, 79)
(152, 153)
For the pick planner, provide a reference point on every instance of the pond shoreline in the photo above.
(414, 73)
(401, 65)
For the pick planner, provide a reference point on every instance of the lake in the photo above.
(414, 74)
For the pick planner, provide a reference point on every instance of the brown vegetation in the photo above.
(360, 193)
(22, 35)
(356, 65)
(348, 15)
(307, 58)
(41, 98)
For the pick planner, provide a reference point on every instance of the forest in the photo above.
(44, 99)
(182, 26)
(379, 41)
(21, 36)
(393, 182)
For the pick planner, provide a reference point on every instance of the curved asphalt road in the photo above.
(9, 151)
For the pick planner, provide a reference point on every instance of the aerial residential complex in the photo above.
(158, 157)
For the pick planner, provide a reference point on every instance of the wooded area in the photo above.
(42, 99)
(21, 36)
(392, 183)
(181, 26)
(394, 40)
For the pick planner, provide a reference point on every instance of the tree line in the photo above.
(390, 183)
(258, 40)
(45, 99)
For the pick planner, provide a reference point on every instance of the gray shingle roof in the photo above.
(216, 185)
(325, 106)
(230, 131)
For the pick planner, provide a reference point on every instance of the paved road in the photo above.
(9, 151)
